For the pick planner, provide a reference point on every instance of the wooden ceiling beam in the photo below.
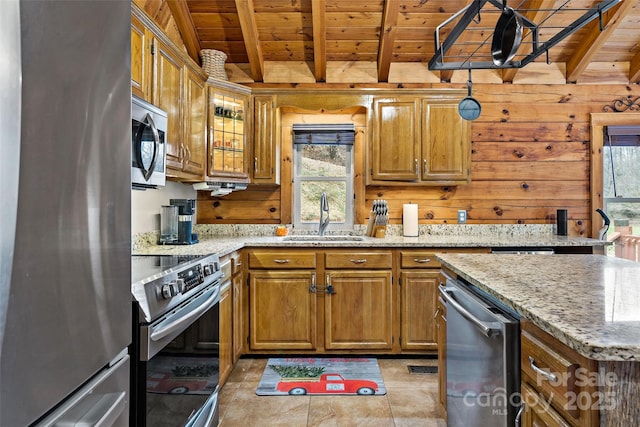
(182, 17)
(318, 8)
(634, 69)
(537, 11)
(387, 38)
(249, 28)
(595, 39)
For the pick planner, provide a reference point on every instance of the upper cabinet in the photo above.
(141, 59)
(265, 168)
(228, 127)
(169, 79)
(419, 140)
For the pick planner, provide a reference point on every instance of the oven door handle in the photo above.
(193, 309)
(487, 329)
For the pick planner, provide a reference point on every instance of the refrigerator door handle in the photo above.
(487, 329)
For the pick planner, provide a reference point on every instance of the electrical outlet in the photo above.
(462, 217)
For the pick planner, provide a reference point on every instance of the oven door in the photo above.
(178, 365)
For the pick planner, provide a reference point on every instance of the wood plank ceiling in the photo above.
(381, 33)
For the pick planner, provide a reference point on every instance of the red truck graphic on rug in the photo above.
(326, 383)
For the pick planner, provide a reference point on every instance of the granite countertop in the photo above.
(226, 239)
(589, 302)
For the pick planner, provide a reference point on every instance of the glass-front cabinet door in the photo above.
(227, 151)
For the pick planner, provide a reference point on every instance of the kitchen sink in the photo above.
(333, 238)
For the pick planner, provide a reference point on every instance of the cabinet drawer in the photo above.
(419, 260)
(278, 259)
(357, 260)
(549, 371)
(573, 375)
(537, 412)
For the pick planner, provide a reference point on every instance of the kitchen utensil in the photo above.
(507, 36)
(602, 233)
(469, 108)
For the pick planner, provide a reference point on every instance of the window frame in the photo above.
(348, 179)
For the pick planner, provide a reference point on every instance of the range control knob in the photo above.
(180, 285)
(208, 269)
(172, 288)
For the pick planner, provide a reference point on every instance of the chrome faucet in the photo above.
(324, 208)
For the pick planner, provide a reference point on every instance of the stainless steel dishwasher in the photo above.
(483, 358)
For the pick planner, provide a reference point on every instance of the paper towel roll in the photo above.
(410, 220)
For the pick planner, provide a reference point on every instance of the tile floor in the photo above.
(411, 400)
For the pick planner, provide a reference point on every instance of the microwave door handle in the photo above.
(486, 329)
(195, 308)
(148, 121)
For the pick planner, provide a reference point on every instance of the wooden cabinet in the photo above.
(441, 336)
(282, 313)
(165, 76)
(195, 122)
(282, 309)
(226, 334)
(418, 290)
(167, 95)
(239, 304)
(395, 149)
(421, 140)
(552, 373)
(358, 310)
(446, 143)
(141, 59)
(536, 411)
(266, 164)
(228, 128)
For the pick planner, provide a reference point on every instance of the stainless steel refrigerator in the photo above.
(65, 242)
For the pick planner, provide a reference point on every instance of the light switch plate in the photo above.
(462, 217)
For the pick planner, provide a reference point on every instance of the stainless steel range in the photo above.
(175, 328)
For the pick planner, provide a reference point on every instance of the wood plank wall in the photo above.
(530, 157)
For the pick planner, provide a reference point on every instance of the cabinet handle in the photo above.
(359, 261)
(255, 164)
(422, 260)
(313, 288)
(424, 166)
(416, 161)
(188, 157)
(549, 376)
(435, 316)
(281, 261)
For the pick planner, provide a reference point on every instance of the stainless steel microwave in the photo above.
(148, 145)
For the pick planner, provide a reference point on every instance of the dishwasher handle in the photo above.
(487, 329)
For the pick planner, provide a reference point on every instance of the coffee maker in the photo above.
(186, 210)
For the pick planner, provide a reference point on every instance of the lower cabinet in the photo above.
(418, 290)
(358, 312)
(441, 336)
(282, 310)
(537, 412)
(559, 386)
(226, 333)
(239, 304)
